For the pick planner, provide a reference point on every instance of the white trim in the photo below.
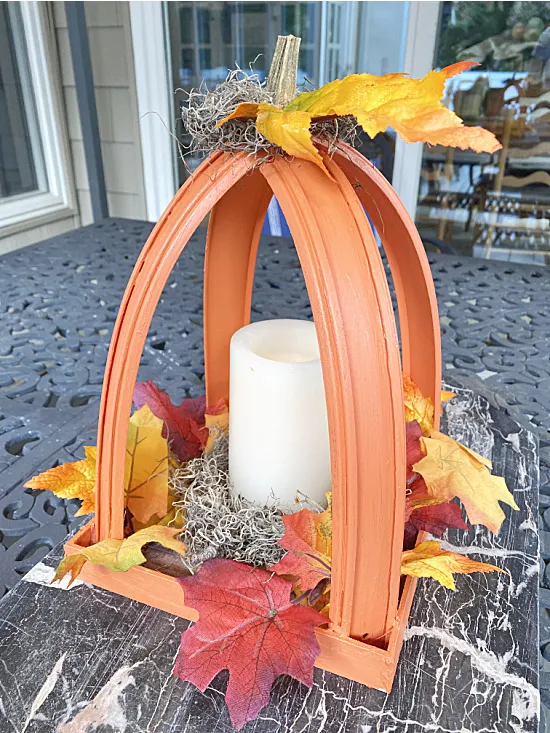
(154, 108)
(55, 200)
(422, 25)
(323, 43)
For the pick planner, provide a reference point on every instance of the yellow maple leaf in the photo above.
(450, 469)
(146, 472)
(71, 481)
(411, 106)
(173, 518)
(290, 131)
(446, 395)
(428, 560)
(120, 555)
(417, 407)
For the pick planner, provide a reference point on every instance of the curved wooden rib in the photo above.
(359, 352)
(353, 314)
(410, 270)
(231, 247)
(151, 272)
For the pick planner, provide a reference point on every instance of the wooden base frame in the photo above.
(341, 655)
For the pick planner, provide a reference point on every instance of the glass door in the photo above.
(493, 206)
(338, 38)
(21, 160)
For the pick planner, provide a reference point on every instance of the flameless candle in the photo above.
(278, 429)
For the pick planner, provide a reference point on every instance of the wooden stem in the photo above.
(281, 81)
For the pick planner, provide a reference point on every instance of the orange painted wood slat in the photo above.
(151, 272)
(231, 246)
(341, 655)
(357, 334)
(412, 278)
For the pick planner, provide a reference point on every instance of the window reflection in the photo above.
(338, 38)
(494, 206)
(21, 163)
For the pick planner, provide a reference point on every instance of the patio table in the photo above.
(59, 301)
(85, 659)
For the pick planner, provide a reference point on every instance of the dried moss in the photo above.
(203, 108)
(218, 523)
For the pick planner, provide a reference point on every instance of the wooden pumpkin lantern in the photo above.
(360, 356)
(361, 364)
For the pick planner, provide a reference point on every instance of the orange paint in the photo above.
(353, 313)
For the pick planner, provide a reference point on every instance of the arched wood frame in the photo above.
(359, 351)
(410, 270)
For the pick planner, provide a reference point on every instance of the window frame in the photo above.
(153, 81)
(56, 200)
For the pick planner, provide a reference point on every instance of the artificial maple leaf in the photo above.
(417, 407)
(437, 518)
(183, 424)
(120, 555)
(425, 513)
(249, 626)
(418, 496)
(412, 107)
(71, 481)
(146, 471)
(308, 539)
(450, 469)
(173, 518)
(428, 560)
(413, 433)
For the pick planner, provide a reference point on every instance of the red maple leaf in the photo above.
(431, 517)
(414, 451)
(248, 625)
(183, 424)
(308, 539)
(437, 518)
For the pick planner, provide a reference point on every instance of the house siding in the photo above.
(111, 51)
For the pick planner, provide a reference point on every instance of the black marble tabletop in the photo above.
(85, 660)
(58, 303)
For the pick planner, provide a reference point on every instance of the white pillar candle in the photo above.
(278, 428)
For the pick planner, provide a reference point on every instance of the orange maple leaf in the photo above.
(71, 481)
(308, 539)
(446, 395)
(411, 106)
(145, 477)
